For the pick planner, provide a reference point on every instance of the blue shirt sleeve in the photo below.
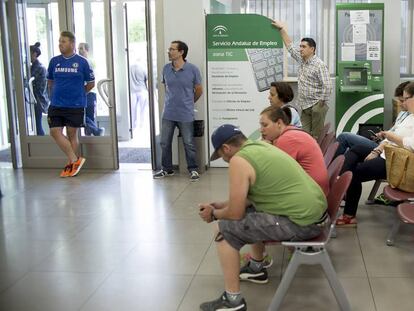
(197, 76)
(50, 69)
(163, 74)
(88, 74)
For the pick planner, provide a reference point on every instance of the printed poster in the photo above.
(244, 55)
(359, 33)
(348, 52)
(359, 17)
(373, 50)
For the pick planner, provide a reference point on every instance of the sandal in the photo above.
(346, 221)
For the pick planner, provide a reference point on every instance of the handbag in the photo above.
(400, 168)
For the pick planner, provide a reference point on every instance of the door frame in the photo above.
(42, 151)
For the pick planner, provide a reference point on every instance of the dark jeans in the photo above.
(38, 118)
(167, 132)
(362, 171)
(348, 140)
(90, 115)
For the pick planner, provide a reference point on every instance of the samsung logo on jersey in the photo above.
(66, 70)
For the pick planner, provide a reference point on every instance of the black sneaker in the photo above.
(247, 274)
(222, 303)
(162, 174)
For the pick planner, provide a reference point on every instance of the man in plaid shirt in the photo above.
(314, 84)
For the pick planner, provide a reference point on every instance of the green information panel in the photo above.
(244, 56)
(359, 65)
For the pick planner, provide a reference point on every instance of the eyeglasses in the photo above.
(172, 49)
(407, 98)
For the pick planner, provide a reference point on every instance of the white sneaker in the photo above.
(194, 176)
(162, 174)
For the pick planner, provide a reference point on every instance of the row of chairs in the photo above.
(313, 252)
(405, 208)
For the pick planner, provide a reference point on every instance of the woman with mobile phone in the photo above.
(369, 164)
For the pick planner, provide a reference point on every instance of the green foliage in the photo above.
(40, 26)
(136, 31)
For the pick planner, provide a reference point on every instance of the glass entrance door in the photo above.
(5, 151)
(133, 89)
(34, 23)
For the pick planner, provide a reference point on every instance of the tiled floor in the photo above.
(123, 241)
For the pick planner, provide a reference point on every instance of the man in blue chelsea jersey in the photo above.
(70, 78)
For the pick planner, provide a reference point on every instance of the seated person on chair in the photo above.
(348, 140)
(274, 126)
(280, 94)
(369, 164)
(270, 198)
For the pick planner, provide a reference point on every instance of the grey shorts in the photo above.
(258, 227)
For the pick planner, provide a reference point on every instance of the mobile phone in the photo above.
(372, 132)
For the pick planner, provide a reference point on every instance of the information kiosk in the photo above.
(359, 66)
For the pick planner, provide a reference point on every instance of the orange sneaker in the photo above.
(66, 171)
(76, 166)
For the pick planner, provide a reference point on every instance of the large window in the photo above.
(315, 18)
(304, 18)
(407, 38)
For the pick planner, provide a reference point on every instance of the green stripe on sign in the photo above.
(229, 55)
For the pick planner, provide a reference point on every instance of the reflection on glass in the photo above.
(90, 35)
(42, 24)
(4, 137)
(38, 87)
(138, 64)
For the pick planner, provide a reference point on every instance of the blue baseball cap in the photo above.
(220, 135)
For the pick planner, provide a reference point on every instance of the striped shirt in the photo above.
(314, 83)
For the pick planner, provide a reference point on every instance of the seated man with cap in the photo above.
(270, 198)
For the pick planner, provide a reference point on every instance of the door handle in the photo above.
(103, 91)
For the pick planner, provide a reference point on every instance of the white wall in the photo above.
(392, 38)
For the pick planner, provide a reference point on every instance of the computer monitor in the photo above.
(356, 76)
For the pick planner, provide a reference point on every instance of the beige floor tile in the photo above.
(139, 292)
(107, 240)
(393, 293)
(163, 259)
(50, 291)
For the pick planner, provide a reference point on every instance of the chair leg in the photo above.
(334, 233)
(285, 283)
(373, 193)
(393, 232)
(336, 286)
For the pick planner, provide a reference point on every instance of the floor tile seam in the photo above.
(71, 236)
(366, 271)
(3, 291)
(87, 299)
(194, 275)
(187, 185)
(121, 261)
(392, 277)
(49, 255)
(89, 222)
(71, 272)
